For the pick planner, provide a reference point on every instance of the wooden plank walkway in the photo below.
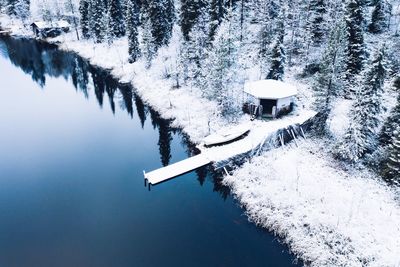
(176, 169)
(253, 141)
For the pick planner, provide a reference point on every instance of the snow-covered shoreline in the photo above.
(328, 216)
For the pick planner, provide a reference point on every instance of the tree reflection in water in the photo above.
(41, 60)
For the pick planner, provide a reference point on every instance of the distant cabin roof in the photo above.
(55, 24)
(269, 89)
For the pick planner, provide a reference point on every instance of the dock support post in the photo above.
(302, 132)
(149, 186)
(227, 173)
(294, 137)
(281, 138)
(145, 179)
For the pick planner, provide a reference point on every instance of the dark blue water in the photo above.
(73, 144)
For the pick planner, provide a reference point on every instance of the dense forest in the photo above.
(344, 49)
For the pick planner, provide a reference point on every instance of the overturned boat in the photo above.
(226, 136)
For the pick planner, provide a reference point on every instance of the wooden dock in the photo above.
(176, 169)
(254, 141)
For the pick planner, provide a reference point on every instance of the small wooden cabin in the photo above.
(44, 29)
(270, 98)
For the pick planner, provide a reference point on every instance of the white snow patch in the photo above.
(338, 121)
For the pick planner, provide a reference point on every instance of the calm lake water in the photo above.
(73, 144)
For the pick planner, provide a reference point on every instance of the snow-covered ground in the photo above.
(329, 216)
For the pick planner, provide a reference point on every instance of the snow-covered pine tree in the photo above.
(10, 7)
(148, 46)
(317, 21)
(327, 83)
(98, 20)
(195, 51)
(18, 8)
(355, 40)
(297, 29)
(187, 61)
(392, 168)
(372, 90)
(162, 15)
(45, 11)
(132, 24)
(116, 25)
(217, 11)
(22, 9)
(353, 145)
(84, 17)
(223, 68)
(361, 137)
(378, 18)
(190, 11)
(392, 122)
(268, 13)
(277, 66)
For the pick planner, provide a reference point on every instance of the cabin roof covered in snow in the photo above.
(55, 24)
(269, 89)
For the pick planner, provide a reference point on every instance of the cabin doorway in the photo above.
(268, 105)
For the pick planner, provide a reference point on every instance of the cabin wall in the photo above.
(284, 103)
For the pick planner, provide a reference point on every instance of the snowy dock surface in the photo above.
(259, 133)
(176, 169)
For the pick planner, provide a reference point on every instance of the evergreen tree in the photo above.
(194, 51)
(98, 20)
(84, 17)
(116, 25)
(327, 83)
(190, 11)
(361, 135)
(132, 22)
(378, 19)
(148, 43)
(10, 7)
(355, 39)
(317, 21)
(372, 90)
(277, 67)
(223, 81)
(217, 10)
(267, 20)
(392, 168)
(393, 122)
(161, 14)
(353, 145)
(21, 8)
(18, 8)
